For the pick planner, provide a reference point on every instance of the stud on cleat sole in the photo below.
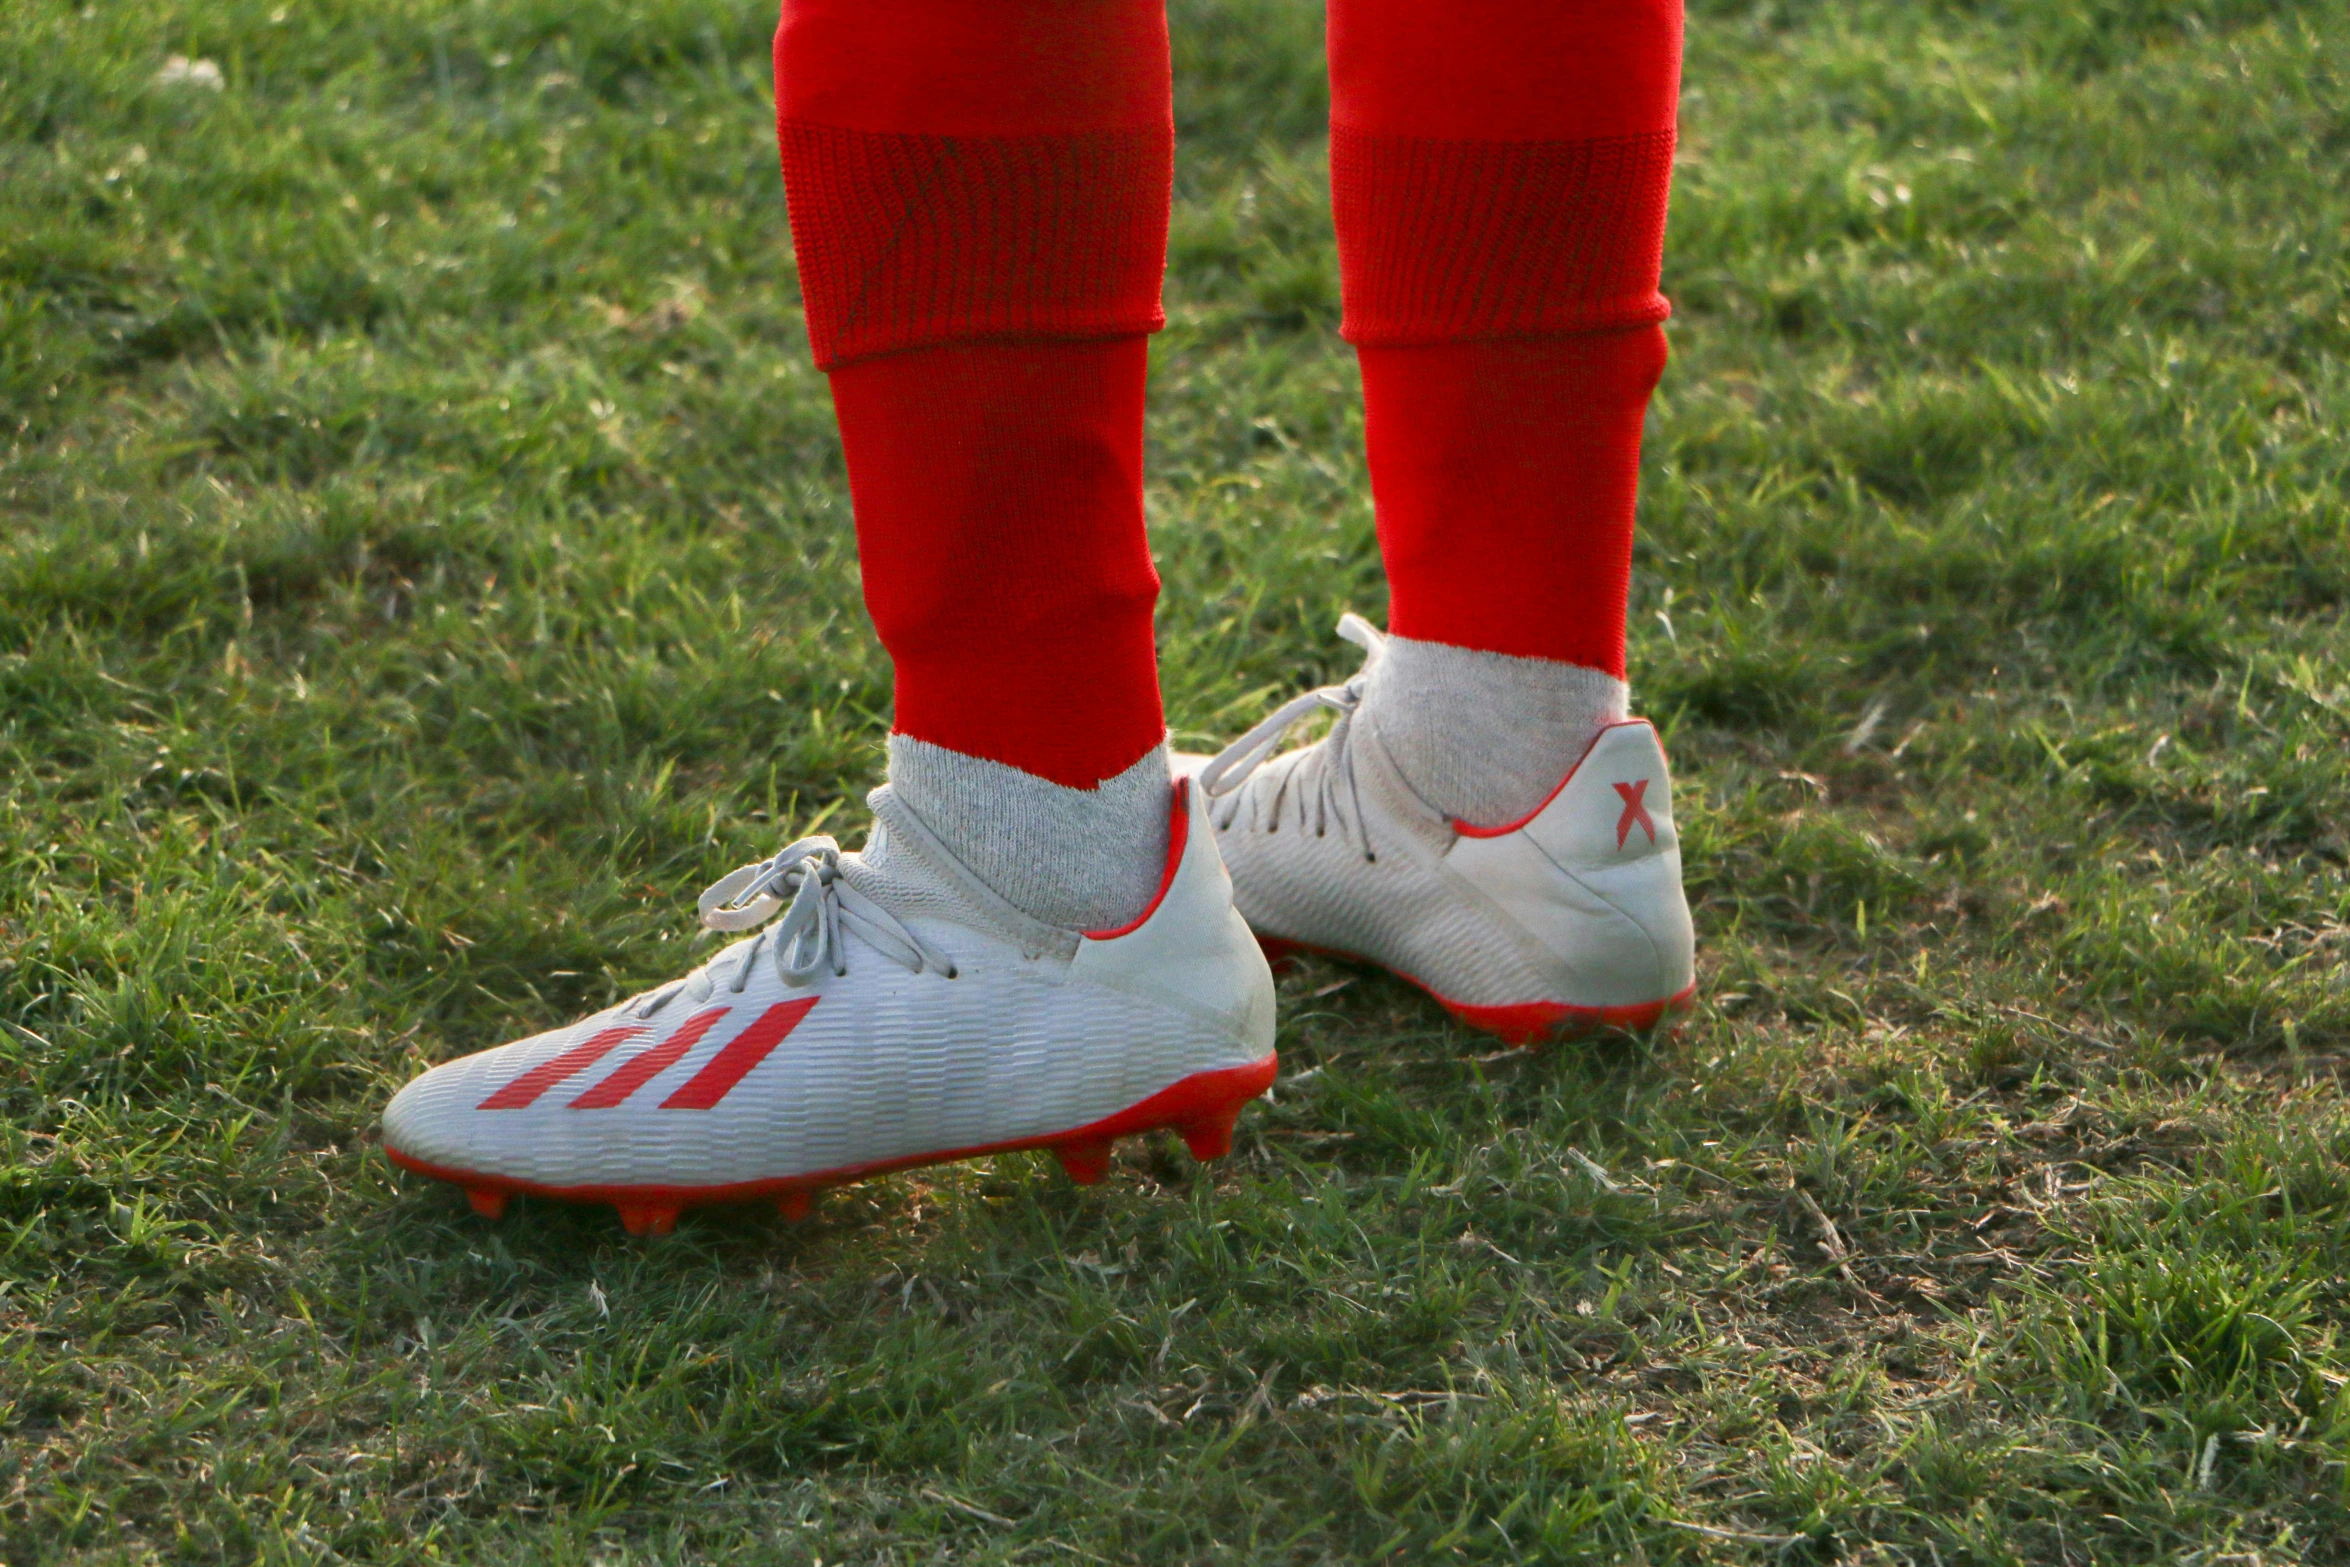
(795, 1203)
(1086, 1162)
(649, 1218)
(1211, 1136)
(489, 1204)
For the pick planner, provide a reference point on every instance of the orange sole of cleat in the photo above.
(1201, 1107)
(1525, 1023)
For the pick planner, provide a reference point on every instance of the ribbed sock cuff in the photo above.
(964, 171)
(912, 241)
(1445, 241)
(1078, 859)
(1486, 737)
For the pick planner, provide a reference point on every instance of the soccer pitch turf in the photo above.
(425, 563)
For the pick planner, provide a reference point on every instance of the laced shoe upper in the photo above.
(1578, 907)
(898, 1009)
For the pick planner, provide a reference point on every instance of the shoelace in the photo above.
(1223, 778)
(818, 905)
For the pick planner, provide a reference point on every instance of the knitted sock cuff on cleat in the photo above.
(1485, 737)
(1076, 859)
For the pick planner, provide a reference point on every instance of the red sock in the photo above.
(1499, 171)
(979, 194)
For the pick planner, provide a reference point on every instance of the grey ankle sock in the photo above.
(1485, 737)
(1080, 859)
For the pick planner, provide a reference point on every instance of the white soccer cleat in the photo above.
(899, 1014)
(1567, 921)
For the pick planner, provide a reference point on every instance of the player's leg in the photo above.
(1492, 827)
(1036, 947)
(979, 193)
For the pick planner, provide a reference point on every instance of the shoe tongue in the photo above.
(906, 869)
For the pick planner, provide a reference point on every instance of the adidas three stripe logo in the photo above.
(702, 1091)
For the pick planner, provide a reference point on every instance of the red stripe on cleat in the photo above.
(524, 1091)
(745, 1050)
(646, 1065)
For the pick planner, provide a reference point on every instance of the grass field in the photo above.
(425, 563)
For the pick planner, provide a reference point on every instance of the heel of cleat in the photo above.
(656, 1218)
(1086, 1162)
(489, 1204)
